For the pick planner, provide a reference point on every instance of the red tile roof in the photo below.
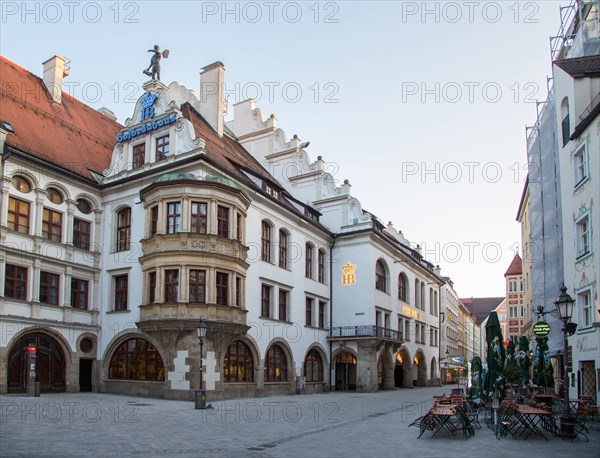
(70, 135)
(224, 151)
(480, 307)
(516, 266)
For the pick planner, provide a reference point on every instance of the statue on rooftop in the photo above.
(155, 62)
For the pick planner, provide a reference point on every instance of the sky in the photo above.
(422, 106)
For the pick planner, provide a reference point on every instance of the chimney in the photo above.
(212, 95)
(108, 113)
(437, 271)
(54, 73)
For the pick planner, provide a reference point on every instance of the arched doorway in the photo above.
(345, 371)
(51, 364)
(420, 369)
(398, 371)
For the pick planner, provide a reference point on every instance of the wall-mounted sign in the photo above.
(541, 329)
(412, 313)
(147, 105)
(348, 276)
(458, 359)
(148, 127)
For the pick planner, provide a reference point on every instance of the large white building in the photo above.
(117, 240)
(561, 193)
(576, 73)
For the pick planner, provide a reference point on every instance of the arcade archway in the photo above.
(51, 364)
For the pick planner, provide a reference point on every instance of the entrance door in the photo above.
(398, 375)
(588, 379)
(345, 372)
(51, 364)
(85, 375)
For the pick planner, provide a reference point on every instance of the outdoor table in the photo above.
(577, 402)
(530, 418)
(547, 399)
(442, 415)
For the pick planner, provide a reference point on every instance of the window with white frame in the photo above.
(580, 165)
(584, 303)
(583, 235)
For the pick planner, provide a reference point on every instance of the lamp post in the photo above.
(564, 307)
(200, 394)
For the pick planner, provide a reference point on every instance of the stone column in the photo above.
(4, 203)
(366, 370)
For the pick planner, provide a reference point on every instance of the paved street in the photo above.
(333, 424)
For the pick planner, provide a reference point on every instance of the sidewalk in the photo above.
(323, 425)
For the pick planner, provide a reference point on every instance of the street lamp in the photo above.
(564, 307)
(200, 395)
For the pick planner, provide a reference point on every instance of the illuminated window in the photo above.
(238, 364)
(275, 365)
(21, 184)
(54, 196)
(18, 215)
(136, 359)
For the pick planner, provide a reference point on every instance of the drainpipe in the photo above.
(331, 308)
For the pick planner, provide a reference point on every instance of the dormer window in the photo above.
(271, 190)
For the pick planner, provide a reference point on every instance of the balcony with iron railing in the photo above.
(365, 331)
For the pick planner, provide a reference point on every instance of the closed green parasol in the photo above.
(476, 380)
(495, 356)
(543, 375)
(524, 361)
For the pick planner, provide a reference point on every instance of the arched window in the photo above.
(431, 310)
(380, 280)
(123, 229)
(283, 249)
(402, 288)
(84, 206)
(309, 260)
(417, 293)
(136, 359)
(266, 242)
(313, 367)
(566, 124)
(275, 365)
(321, 266)
(21, 184)
(423, 296)
(55, 196)
(238, 365)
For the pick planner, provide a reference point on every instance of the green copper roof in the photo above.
(174, 176)
(225, 181)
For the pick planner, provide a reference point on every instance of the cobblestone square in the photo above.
(334, 424)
